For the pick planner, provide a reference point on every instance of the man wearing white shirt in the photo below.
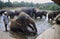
(6, 20)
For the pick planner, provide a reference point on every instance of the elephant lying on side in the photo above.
(22, 23)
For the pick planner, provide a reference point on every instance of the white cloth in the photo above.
(6, 19)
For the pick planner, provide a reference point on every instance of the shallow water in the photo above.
(41, 24)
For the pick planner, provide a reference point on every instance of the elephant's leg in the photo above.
(11, 17)
(40, 17)
(48, 19)
(32, 15)
(35, 17)
(45, 16)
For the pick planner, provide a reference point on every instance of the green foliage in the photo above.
(1, 4)
(8, 4)
(49, 6)
(45, 6)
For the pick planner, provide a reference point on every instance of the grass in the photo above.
(10, 8)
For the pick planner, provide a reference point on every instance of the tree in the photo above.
(1, 4)
(8, 4)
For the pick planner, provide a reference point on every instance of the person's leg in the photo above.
(6, 27)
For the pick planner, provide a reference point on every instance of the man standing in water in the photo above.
(6, 20)
(3, 20)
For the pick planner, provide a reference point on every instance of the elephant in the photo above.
(29, 10)
(22, 23)
(52, 15)
(11, 13)
(40, 14)
(2, 11)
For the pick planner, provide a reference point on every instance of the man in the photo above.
(6, 20)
